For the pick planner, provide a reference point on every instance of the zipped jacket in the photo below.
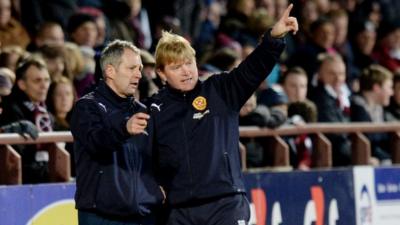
(113, 168)
(196, 135)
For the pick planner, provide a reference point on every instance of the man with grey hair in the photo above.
(114, 180)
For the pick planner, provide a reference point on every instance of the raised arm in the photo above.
(238, 85)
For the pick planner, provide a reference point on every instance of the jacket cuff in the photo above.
(275, 44)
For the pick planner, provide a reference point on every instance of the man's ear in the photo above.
(21, 84)
(162, 75)
(376, 88)
(109, 72)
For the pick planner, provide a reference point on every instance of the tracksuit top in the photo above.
(114, 169)
(196, 135)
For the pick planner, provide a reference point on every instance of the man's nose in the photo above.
(185, 70)
(138, 74)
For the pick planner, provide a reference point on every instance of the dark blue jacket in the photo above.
(113, 168)
(197, 150)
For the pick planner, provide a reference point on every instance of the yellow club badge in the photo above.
(200, 103)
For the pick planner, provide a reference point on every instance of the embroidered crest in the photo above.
(199, 103)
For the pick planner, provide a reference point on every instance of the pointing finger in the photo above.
(286, 13)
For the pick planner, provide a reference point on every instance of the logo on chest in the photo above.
(199, 103)
(200, 115)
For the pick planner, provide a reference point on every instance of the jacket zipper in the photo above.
(187, 154)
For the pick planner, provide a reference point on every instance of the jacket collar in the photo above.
(177, 94)
(110, 95)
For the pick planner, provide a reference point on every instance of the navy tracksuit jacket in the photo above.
(113, 168)
(196, 136)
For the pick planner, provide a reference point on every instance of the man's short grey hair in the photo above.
(112, 53)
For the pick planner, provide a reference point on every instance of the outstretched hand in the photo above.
(285, 24)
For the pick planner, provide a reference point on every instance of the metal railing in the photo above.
(273, 144)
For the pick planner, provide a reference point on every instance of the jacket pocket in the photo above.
(117, 192)
(228, 166)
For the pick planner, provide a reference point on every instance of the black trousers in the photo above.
(227, 210)
(90, 218)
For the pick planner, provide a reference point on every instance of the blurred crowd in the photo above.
(342, 66)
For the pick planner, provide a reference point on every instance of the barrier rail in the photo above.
(273, 144)
(322, 152)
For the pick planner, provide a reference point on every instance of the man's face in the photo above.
(385, 92)
(333, 73)
(35, 84)
(295, 87)
(124, 79)
(325, 36)
(85, 35)
(51, 35)
(181, 75)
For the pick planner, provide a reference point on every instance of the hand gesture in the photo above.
(285, 24)
(137, 123)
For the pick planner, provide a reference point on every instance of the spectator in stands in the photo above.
(375, 91)
(129, 21)
(150, 82)
(224, 59)
(10, 56)
(60, 100)
(22, 127)
(36, 12)
(49, 33)
(7, 79)
(340, 20)
(209, 27)
(82, 30)
(363, 42)
(392, 112)
(331, 96)
(11, 31)
(268, 5)
(300, 110)
(387, 51)
(253, 114)
(198, 121)
(369, 10)
(101, 25)
(295, 84)
(271, 115)
(307, 15)
(54, 56)
(115, 184)
(322, 39)
(27, 102)
(301, 146)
